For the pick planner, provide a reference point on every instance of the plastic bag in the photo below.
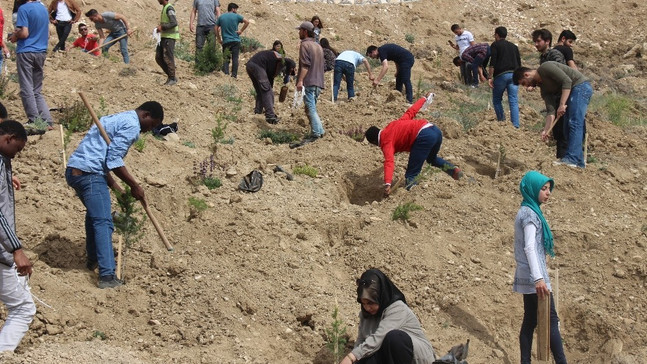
(298, 99)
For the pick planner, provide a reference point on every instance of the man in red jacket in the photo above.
(418, 137)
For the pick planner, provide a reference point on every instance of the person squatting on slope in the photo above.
(532, 241)
(88, 173)
(418, 137)
(15, 267)
(389, 332)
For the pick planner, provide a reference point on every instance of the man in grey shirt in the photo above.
(117, 25)
(207, 12)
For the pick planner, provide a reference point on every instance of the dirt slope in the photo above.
(255, 278)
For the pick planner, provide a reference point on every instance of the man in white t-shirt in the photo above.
(463, 40)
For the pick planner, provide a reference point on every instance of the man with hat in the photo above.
(310, 77)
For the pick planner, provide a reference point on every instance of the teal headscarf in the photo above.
(530, 185)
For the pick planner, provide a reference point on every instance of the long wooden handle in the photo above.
(105, 44)
(105, 136)
(160, 232)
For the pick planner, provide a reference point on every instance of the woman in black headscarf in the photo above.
(389, 332)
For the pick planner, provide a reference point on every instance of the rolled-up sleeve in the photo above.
(393, 318)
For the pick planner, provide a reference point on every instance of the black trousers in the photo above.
(397, 348)
(63, 29)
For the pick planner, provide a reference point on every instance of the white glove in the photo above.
(430, 99)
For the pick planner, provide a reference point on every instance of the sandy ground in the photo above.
(255, 277)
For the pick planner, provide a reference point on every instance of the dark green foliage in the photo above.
(209, 59)
(279, 136)
(249, 44)
(336, 337)
(402, 211)
(127, 222)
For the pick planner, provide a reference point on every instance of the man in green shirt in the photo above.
(169, 32)
(573, 90)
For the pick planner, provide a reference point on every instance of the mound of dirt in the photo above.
(256, 276)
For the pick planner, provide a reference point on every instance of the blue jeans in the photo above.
(578, 102)
(93, 191)
(404, 77)
(123, 44)
(426, 147)
(479, 62)
(234, 51)
(503, 82)
(346, 69)
(310, 95)
(528, 328)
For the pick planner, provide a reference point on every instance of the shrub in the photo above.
(402, 211)
(279, 136)
(183, 51)
(619, 109)
(126, 222)
(336, 336)
(218, 133)
(196, 207)
(307, 170)
(75, 118)
(249, 44)
(209, 59)
(410, 38)
(422, 88)
(189, 144)
(140, 144)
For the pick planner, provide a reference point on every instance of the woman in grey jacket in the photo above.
(389, 332)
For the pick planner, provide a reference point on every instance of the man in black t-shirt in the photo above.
(565, 46)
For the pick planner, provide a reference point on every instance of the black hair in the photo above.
(544, 34)
(92, 12)
(370, 49)
(502, 32)
(12, 127)
(457, 61)
(518, 74)
(324, 43)
(232, 6)
(277, 42)
(153, 107)
(372, 135)
(566, 34)
(3, 112)
(455, 26)
(82, 25)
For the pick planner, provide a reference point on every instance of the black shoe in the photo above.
(273, 120)
(91, 265)
(171, 82)
(110, 282)
(304, 141)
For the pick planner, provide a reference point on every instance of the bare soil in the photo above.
(255, 277)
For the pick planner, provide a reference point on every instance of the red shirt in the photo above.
(1, 28)
(88, 43)
(399, 136)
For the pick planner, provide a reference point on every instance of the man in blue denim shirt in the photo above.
(88, 172)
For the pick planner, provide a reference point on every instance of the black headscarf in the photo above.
(380, 288)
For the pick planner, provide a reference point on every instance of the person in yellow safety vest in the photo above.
(164, 53)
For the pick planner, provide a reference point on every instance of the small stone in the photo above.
(153, 322)
(231, 172)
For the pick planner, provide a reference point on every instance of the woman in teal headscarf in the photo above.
(532, 241)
